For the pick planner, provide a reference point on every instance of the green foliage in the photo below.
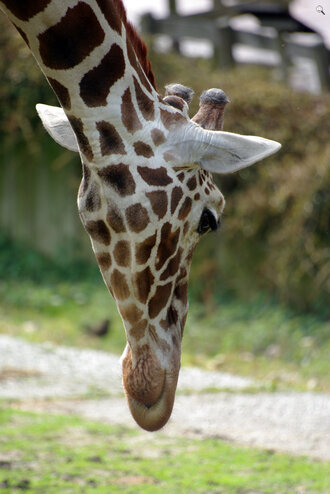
(22, 86)
(19, 262)
(68, 454)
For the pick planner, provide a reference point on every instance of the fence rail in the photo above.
(223, 36)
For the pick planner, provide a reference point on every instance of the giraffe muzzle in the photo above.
(150, 389)
(152, 417)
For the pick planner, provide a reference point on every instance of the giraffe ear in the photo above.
(58, 126)
(221, 152)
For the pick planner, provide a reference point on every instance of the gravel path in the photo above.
(50, 378)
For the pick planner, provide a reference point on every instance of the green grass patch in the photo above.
(57, 454)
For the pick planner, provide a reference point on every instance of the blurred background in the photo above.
(259, 289)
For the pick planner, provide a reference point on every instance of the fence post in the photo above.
(223, 47)
(284, 59)
(321, 59)
(173, 12)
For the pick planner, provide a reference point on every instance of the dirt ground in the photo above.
(54, 379)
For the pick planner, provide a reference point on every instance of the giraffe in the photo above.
(147, 194)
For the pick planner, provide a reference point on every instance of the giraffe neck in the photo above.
(97, 66)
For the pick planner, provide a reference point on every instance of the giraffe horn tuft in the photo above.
(211, 109)
(184, 92)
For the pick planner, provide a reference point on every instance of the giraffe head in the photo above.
(145, 219)
(147, 194)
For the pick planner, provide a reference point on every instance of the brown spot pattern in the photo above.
(119, 178)
(122, 253)
(181, 293)
(135, 63)
(154, 176)
(24, 36)
(139, 329)
(137, 217)
(131, 313)
(175, 198)
(98, 230)
(110, 140)
(115, 220)
(185, 227)
(157, 137)
(63, 46)
(172, 316)
(85, 180)
(143, 249)
(168, 156)
(143, 149)
(27, 9)
(95, 85)
(146, 104)
(192, 183)
(78, 129)
(93, 200)
(170, 119)
(158, 201)
(104, 260)
(168, 244)
(119, 285)
(172, 267)
(110, 12)
(159, 300)
(129, 116)
(143, 281)
(61, 92)
(185, 208)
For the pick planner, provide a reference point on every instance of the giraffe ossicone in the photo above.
(147, 193)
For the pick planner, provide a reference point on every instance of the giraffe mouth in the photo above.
(150, 384)
(153, 416)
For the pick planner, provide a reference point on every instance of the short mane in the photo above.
(138, 45)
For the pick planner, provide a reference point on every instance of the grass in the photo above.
(68, 454)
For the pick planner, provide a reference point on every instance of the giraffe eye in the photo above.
(207, 222)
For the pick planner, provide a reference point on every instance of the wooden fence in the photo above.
(217, 28)
(38, 205)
